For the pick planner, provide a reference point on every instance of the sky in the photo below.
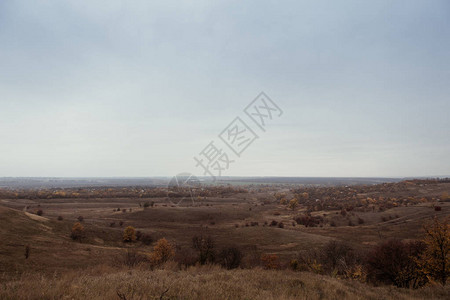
(140, 88)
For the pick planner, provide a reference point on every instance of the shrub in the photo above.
(132, 258)
(77, 231)
(39, 212)
(435, 261)
(393, 262)
(294, 265)
(129, 234)
(205, 247)
(338, 257)
(280, 225)
(310, 261)
(293, 204)
(308, 221)
(60, 218)
(270, 261)
(230, 258)
(146, 239)
(162, 252)
(186, 257)
(273, 223)
(437, 208)
(27, 251)
(80, 219)
(360, 221)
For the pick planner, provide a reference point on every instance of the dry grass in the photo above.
(202, 283)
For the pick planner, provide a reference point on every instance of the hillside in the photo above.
(203, 283)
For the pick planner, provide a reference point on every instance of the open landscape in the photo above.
(251, 150)
(271, 234)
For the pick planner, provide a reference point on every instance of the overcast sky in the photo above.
(138, 88)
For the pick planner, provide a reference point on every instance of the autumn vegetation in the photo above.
(300, 242)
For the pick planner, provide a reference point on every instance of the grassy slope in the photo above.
(203, 283)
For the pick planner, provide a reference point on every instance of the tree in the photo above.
(435, 261)
(293, 204)
(162, 252)
(77, 231)
(129, 234)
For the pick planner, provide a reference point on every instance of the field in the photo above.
(256, 219)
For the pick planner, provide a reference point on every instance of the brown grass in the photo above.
(202, 283)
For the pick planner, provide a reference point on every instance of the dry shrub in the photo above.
(132, 258)
(270, 261)
(27, 251)
(230, 258)
(393, 262)
(77, 232)
(129, 234)
(204, 245)
(435, 260)
(186, 257)
(162, 252)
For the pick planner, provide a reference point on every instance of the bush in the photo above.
(294, 265)
(39, 212)
(162, 252)
(308, 221)
(80, 219)
(360, 221)
(273, 223)
(129, 234)
(339, 258)
(27, 251)
(205, 247)
(60, 218)
(437, 208)
(270, 261)
(186, 257)
(280, 225)
(132, 258)
(393, 262)
(77, 232)
(230, 258)
(146, 239)
(435, 261)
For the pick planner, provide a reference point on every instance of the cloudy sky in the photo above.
(138, 88)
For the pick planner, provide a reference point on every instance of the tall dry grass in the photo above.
(206, 282)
